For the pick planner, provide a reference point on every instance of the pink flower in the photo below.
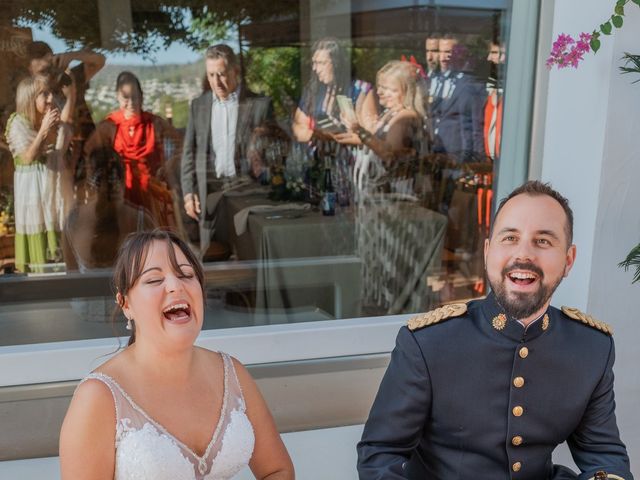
(567, 52)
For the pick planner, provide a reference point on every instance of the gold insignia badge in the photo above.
(545, 321)
(434, 316)
(499, 321)
(602, 475)
(575, 314)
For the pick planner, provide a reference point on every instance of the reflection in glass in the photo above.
(233, 145)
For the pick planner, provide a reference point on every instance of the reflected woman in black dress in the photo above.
(392, 142)
(331, 77)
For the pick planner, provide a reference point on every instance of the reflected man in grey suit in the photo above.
(221, 122)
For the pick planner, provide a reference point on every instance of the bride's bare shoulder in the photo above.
(92, 401)
(88, 432)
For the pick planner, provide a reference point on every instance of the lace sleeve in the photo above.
(20, 135)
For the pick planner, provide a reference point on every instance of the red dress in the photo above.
(134, 142)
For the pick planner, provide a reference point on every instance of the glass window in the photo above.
(325, 159)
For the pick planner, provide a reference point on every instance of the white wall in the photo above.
(577, 106)
(591, 154)
(612, 297)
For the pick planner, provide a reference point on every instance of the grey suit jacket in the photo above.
(196, 170)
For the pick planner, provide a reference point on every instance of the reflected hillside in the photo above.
(167, 88)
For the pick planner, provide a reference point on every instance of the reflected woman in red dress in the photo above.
(139, 140)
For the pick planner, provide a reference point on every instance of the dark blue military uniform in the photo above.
(480, 397)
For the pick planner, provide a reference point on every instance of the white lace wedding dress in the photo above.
(145, 450)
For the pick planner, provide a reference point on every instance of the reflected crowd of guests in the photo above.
(423, 132)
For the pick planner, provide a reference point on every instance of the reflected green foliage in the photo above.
(153, 25)
(275, 72)
(367, 61)
(180, 114)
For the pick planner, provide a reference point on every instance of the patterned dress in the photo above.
(42, 194)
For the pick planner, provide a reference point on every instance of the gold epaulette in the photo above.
(437, 315)
(576, 314)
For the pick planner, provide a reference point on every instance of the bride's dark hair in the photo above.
(132, 256)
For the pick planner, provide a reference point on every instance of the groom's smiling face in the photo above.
(528, 254)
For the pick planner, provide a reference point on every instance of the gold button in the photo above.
(516, 466)
(518, 411)
(518, 382)
(517, 440)
(524, 352)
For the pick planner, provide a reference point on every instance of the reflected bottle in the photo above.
(329, 197)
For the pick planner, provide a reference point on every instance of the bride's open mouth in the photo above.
(177, 313)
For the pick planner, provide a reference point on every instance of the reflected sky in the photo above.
(175, 54)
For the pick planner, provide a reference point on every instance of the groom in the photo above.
(488, 389)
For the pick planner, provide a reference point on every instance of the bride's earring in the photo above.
(129, 326)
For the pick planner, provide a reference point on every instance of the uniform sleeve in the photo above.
(398, 414)
(595, 445)
(477, 121)
(472, 122)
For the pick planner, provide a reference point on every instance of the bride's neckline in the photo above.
(216, 433)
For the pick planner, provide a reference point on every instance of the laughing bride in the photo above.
(164, 409)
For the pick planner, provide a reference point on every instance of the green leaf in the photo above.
(620, 3)
(606, 28)
(619, 9)
(595, 44)
(616, 20)
(637, 2)
(632, 260)
(631, 65)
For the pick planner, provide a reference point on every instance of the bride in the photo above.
(164, 409)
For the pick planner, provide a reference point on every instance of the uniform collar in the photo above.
(499, 322)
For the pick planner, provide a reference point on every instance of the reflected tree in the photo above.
(145, 27)
(154, 24)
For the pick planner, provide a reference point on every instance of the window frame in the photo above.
(71, 360)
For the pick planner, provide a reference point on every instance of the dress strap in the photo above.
(128, 414)
(233, 387)
(107, 380)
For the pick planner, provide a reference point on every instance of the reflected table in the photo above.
(376, 254)
(305, 258)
